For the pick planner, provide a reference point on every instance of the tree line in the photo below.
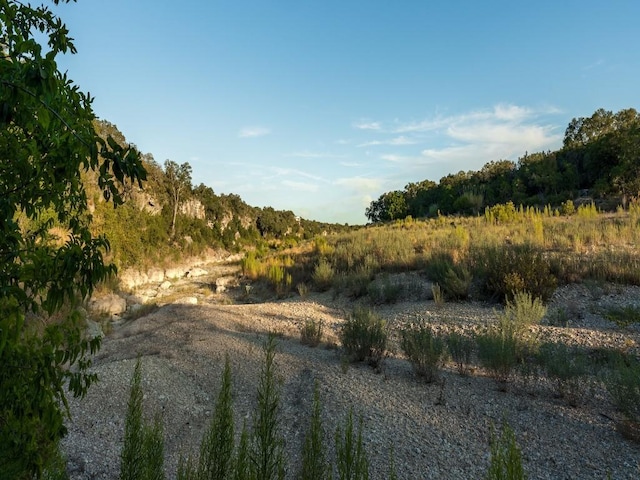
(600, 155)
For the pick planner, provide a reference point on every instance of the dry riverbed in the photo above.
(434, 430)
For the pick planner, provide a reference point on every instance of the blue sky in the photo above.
(320, 106)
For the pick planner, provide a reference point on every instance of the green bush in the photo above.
(506, 457)
(508, 269)
(453, 279)
(498, 352)
(354, 284)
(460, 348)
(425, 351)
(364, 336)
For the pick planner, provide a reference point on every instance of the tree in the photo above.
(178, 182)
(47, 140)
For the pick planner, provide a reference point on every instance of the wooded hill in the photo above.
(169, 217)
(600, 158)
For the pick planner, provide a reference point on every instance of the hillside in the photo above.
(600, 159)
(203, 219)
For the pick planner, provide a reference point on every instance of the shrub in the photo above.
(506, 457)
(364, 336)
(303, 289)
(311, 332)
(425, 351)
(354, 284)
(460, 347)
(508, 269)
(323, 275)
(567, 367)
(453, 279)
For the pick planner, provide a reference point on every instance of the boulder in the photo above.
(155, 275)
(187, 301)
(166, 285)
(130, 279)
(177, 272)
(110, 304)
(196, 272)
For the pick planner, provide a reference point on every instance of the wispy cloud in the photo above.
(301, 186)
(250, 132)
(352, 164)
(401, 140)
(309, 154)
(367, 125)
(360, 184)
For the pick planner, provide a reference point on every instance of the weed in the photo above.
(438, 295)
(216, 448)
(303, 289)
(623, 384)
(364, 336)
(142, 451)
(311, 332)
(385, 291)
(267, 449)
(568, 367)
(425, 351)
(460, 347)
(314, 462)
(498, 352)
(558, 318)
(506, 457)
(351, 457)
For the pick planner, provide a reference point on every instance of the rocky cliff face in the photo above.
(193, 208)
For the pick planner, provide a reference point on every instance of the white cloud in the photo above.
(351, 164)
(360, 184)
(309, 154)
(401, 140)
(250, 132)
(367, 125)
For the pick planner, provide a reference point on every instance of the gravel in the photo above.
(434, 431)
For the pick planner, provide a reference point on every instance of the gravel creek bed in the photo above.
(435, 430)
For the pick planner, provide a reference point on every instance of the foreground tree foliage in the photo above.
(47, 141)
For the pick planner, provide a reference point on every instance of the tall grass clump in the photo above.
(425, 350)
(509, 341)
(567, 367)
(314, 454)
(311, 332)
(364, 336)
(266, 452)
(142, 454)
(623, 384)
(217, 446)
(460, 348)
(506, 457)
(351, 457)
